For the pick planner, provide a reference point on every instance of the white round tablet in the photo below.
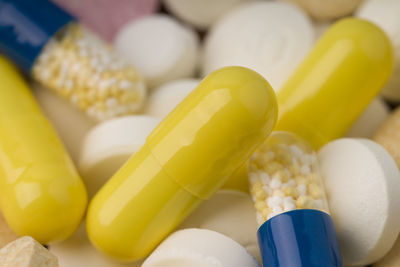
(77, 251)
(231, 213)
(109, 145)
(328, 9)
(199, 248)
(165, 98)
(70, 123)
(363, 187)
(271, 38)
(370, 120)
(160, 47)
(200, 13)
(386, 14)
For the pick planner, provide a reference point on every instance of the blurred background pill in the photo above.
(271, 38)
(106, 17)
(370, 120)
(165, 98)
(160, 47)
(388, 135)
(386, 14)
(201, 13)
(328, 9)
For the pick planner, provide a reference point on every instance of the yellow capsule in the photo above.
(188, 157)
(346, 69)
(41, 193)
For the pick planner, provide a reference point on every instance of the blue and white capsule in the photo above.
(292, 209)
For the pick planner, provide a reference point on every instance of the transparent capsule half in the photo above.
(284, 176)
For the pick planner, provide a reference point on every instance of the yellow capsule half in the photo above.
(185, 160)
(41, 193)
(346, 69)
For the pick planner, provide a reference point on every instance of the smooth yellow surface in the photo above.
(184, 160)
(41, 194)
(346, 69)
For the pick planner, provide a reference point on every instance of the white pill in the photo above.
(271, 38)
(199, 248)
(386, 14)
(160, 48)
(363, 188)
(165, 98)
(328, 9)
(109, 145)
(230, 213)
(70, 123)
(77, 251)
(370, 120)
(200, 13)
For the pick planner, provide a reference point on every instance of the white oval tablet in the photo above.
(328, 9)
(200, 13)
(70, 123)
(363, 188)
(386, 14)
(370, 120)
(109, 145)
(230, 213)
(271, 38)
(160, 48)
(77, 251)
(199, 248)
(165, 98)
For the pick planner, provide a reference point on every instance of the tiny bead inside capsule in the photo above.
(284, 176)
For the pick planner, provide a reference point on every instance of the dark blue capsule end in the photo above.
(299, 238)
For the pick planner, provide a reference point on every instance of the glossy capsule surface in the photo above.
(41, 193)
(345, 70)
(184, 161)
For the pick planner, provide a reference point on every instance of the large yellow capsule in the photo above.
(346, 69)
(184, 161)
(41, 194)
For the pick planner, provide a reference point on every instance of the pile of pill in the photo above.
(175, 133)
